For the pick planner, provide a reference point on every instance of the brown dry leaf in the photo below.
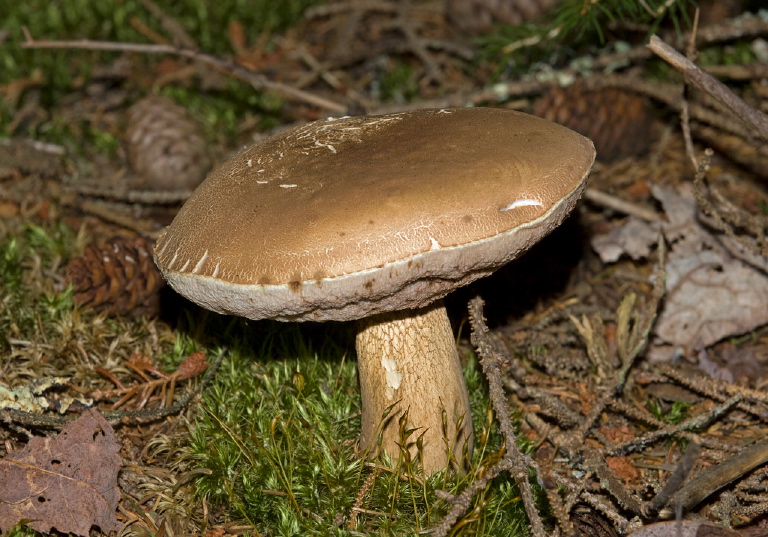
(690, 528)
(67, 482)
(711, 294)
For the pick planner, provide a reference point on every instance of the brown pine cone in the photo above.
(166, 147)
(118, 277)
(620, 123)
(474, 17)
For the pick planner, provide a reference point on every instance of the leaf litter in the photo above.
(710, 293)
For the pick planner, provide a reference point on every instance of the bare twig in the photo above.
(597, 502)
(110, 192)
(718, 390)
(642, 416)
(617, 204)
(710, 85)
(115, 213)
(726, 216)
(256, 80)
(518, 463)
(610, 482)
(713, 479)
(695, 423)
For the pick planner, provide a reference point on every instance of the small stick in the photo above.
(617, 204)
(709, 84)
(685, 121)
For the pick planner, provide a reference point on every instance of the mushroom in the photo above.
(376, 219)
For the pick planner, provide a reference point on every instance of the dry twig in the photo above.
(715, 478)
(259, 82)
(707, 83)
(513, 459)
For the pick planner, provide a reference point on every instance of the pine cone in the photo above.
(166, 146)
(618, 122)
(475, 17)
(118, 277)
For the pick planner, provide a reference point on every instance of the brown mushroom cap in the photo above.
(344, 218)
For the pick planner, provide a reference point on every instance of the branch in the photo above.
(256, 80)
(720, 475)
(693, 74)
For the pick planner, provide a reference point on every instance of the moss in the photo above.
(277, 442)
(59, 72)
(29, 300)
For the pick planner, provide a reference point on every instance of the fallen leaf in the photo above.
(67, 482)
(733, 365)
(634, 238)
(711, 294)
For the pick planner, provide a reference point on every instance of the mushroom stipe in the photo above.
(376, 219)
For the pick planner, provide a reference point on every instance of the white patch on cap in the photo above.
(434, 245)
(288, 186)
(522, 203)
(392, 375)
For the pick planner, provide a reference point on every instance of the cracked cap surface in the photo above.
(344, 218)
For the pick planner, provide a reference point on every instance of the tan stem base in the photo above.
(409, 358)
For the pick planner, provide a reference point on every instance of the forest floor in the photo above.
(631, 343)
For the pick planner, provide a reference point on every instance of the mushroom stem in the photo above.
(409, 359)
